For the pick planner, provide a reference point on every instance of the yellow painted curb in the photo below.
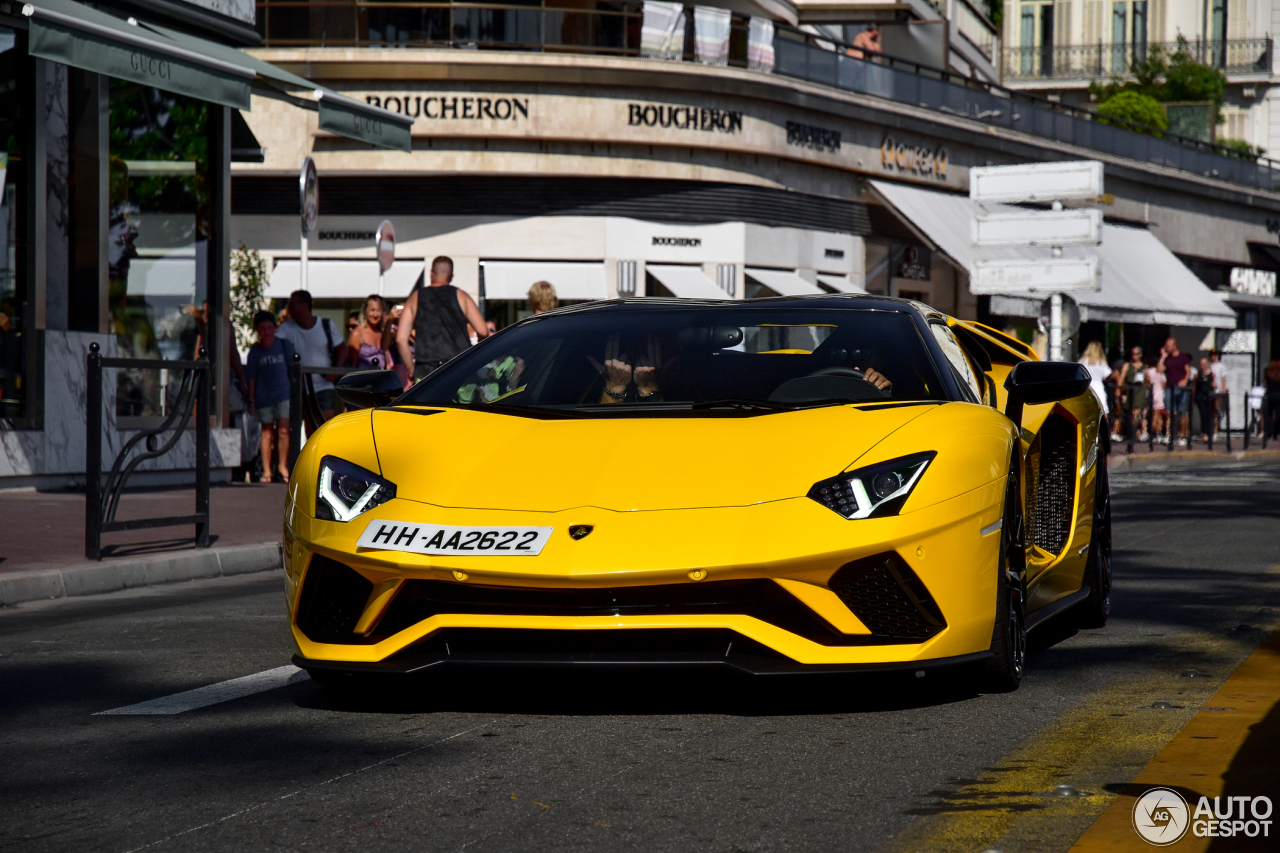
(1231, 747)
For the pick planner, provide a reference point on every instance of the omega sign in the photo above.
(907, 158)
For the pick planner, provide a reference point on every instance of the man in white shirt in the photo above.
(315, 339)
(1219, 385)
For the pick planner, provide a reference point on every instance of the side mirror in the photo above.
(366, 389)
(1036, 382)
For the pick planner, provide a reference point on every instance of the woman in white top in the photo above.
(1095, 361)
(1155, 381)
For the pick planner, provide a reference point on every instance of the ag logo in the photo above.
(1161, 816)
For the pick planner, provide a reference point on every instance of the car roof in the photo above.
(844, 301)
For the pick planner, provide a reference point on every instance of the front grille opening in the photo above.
(761, 598)
(333, 597)
(1051, 466)
(652, 644)
(888, 598)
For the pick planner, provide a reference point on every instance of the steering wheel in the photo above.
(853, 373)
(840, 370)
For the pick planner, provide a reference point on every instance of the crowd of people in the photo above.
(1155, 397)
(436, 322)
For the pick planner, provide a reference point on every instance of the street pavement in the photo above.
(591, 761)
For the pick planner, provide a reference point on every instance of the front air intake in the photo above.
(333, 597)
(888, 598)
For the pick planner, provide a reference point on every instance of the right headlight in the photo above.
(874, 491)
(343, 490)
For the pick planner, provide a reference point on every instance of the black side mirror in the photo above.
(1036, 382)
(366, 389)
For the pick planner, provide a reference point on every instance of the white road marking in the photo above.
(203, 697)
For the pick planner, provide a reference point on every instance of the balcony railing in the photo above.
(614, 28)
(576, 26)
(1100, 61)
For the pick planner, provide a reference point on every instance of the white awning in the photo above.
(1142, 281)
(685, 282)
(783, 283)
(345, 279)
(840, 283)
(512, 279)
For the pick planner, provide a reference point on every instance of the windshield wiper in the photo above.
(740, 404)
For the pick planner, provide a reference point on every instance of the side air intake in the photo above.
(1051, 466)
(888, 598)
(333, 597)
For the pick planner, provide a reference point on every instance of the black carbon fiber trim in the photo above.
(333, 597)
(888, 598)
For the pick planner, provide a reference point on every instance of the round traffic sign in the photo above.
(309, 194)
(385, 243)
(1070, 316)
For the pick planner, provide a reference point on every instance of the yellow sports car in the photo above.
(777, 486)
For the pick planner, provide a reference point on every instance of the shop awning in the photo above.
(839, 283)
(783, 283)
(344, 279)
(338, 113)
(73, 34)
(685, 282)
(1142, 281)
(512, 279)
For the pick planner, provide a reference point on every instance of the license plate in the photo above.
(453, 539)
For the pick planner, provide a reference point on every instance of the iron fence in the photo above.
(1101, 61)
(304, 407)
(102, 500)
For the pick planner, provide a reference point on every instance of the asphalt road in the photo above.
(599, 762)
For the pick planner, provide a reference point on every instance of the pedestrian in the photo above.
(366, 348)
(1206, 394)
(1159, 415)
(390, 328)
(316, 340)
(268, 374)
(1133, 385)
(1177, 373)
(542, 297)
(438, 314)
(1095, 361)
(1220, 381)
(866, 42)
(1272, 402)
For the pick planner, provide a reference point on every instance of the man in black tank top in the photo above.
(438, 313)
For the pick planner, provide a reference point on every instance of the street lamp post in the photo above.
(309, 202)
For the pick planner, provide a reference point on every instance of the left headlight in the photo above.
(875, 491)
(343, 490)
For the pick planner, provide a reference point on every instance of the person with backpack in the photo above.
(317, 341)
(268, 373)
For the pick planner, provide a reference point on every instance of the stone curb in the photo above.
(1163, 459)
(96, 578)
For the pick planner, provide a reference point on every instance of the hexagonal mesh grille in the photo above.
(888, 598)
(1052, 469)
(333, 597)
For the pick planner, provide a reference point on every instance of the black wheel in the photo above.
(1094, 610)
(1003, 672)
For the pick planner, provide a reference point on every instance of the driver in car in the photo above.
(620, 374)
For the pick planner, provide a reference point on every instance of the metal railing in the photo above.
(304, 407)
(103, 499)
(919, 85)
(1101, 61)
(613, 29)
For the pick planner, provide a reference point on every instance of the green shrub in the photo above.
(1135, 107)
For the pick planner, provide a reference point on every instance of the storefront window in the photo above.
(15, 305)
(159, 237)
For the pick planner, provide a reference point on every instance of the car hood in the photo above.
(487, 460)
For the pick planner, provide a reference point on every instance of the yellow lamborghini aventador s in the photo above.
(776, 486)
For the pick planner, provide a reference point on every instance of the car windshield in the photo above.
(691, 358)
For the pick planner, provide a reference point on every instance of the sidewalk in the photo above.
(42, 540)
(1160, 456)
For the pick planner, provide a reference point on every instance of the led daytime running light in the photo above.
(854, 495)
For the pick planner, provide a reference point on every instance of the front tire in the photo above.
(1008, 660)
(1094, 610)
